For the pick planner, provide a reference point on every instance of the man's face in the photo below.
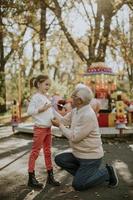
(76, 100)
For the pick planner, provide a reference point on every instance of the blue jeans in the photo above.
(86, 172)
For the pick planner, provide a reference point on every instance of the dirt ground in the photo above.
(14, 152)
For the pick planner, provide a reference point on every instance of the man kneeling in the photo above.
(85, 141)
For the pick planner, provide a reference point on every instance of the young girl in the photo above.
(41, 111)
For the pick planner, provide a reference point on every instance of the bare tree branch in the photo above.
(92, 9)
(87, 15)
(57, 12)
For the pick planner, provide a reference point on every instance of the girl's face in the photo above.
(44, 86)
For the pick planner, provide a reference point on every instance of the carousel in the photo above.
(102, 80)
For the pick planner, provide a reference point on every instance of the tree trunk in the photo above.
(43, 32)
(2, 70)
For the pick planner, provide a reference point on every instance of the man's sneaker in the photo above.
(113, 179)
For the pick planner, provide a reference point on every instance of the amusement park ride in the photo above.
(101, 79)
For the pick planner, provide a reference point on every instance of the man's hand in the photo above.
(55, 122)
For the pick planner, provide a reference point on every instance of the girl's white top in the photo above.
(42, 119)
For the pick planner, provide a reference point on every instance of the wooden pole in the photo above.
(19, 92)
(121, 132)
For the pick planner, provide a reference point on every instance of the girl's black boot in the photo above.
(33, 182)
(51, 180)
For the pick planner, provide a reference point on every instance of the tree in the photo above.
(98, 37)
(3, 59)
(10, 40)
(23, 16)
(122, 41)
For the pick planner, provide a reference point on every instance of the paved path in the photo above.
(5, 131)
(13, 184)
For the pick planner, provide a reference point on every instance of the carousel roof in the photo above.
(99, 68)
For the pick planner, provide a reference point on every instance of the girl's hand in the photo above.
(55, 122)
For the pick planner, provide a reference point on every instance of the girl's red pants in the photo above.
(41, 139)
